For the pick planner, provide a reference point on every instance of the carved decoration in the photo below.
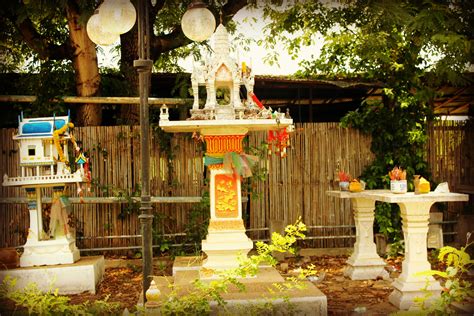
(227, 203)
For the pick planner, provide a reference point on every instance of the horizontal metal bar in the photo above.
(108, 237)
(129, 247)
(443, 223)
(333, 226)
(113, 200)
(328, 237)
(177, 245)
(109, 200)
(257, 229)
(140, 236)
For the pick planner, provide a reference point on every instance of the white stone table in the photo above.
(364, 263)
(415, 212)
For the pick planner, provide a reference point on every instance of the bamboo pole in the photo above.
(97, 100)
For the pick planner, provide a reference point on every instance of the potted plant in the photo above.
(398, 180)
(344, 179)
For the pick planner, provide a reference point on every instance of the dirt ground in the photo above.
(122, 284)
(345, 297)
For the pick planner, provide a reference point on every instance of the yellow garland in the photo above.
(57, 142)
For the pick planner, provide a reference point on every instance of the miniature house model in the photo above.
(221, 71)
(43, 149)
(43, 154)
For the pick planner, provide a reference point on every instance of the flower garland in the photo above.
(280, 139)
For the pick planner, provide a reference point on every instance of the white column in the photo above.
(226, 239)
(364, 263)
(236, 95)
(211, 95)
(409, 285)
(39, 208)
(33, 232)
(195, 86)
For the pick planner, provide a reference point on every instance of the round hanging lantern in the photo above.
(96, 33)
(117, 16)
(198, 23)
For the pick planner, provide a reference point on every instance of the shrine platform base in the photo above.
(78, 277)
(307, 301)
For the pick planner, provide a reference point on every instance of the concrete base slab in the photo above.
(365, 272)
(187, 263)
(405, 300)
(404, 293)
(81, 276)
(195, 263)
(49, 252)
(257, 297)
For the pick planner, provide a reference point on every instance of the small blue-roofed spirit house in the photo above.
(43, 159)
(43, 148)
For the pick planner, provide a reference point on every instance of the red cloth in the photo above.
(256, 100)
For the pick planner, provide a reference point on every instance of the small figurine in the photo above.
(60, 208)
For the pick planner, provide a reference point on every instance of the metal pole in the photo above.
(143, 66)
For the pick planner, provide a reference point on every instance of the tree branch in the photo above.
(167, 42)
(175, 39)
(38, 43)
(231, 8)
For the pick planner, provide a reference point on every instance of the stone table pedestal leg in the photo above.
(409, 285)
(364, 263)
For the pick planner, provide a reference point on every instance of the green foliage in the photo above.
(396, 248)
(48, 19)
(50, 80)
(50, 302)
(196, 229)
(259, 169)
(196, 301)
(455, 287)
(387, 220)
(406, 48)
(131, 203)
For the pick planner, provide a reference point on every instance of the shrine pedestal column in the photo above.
(364, 263)
(409, 285)
(37, 251)
(34, 208)
(226, 239)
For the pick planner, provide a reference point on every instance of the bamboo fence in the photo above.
(295, 186)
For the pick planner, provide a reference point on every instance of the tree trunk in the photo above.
(129, 113)
(85, 67)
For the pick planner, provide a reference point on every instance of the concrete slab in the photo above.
(261, 294)
(187, 263)
(78, 277)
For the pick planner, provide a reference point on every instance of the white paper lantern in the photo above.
(117, 16)
(95, 31)
(198, 23)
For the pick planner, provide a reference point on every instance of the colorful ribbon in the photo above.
(233, 162)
